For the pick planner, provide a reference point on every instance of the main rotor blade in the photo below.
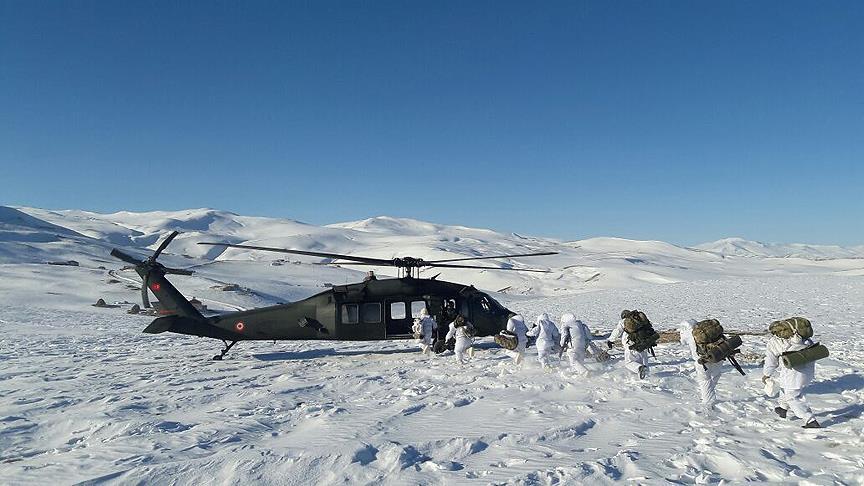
(354, 263)
(177, 271)
(447, 265)
(444, 265)
(370, 261)
(491, 257)
(125, 257)
(163, 246)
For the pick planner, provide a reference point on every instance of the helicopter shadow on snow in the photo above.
(332, 351)
(324, 353)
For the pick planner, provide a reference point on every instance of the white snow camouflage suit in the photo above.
(708, 375)
(580, 342)
(425, 326)
(547, 338)
(633, 359)
(516, 325)
(464, 342)
(792, 381)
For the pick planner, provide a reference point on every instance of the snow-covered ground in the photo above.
(86, 397)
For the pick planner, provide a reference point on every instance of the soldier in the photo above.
(791, 335)
(547, 335)
(707, 374)
(423, 328)
(463, 332)
(576, 339)
(516, 325)
(634, 360)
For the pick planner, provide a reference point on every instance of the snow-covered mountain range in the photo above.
(32, 235)
(742, 247)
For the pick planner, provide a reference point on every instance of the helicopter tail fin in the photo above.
(171, 300)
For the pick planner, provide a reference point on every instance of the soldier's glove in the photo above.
(765, 378)
(609, 344)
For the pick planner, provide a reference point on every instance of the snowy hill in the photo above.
(28, 239)
(746, 248)
(590, 264)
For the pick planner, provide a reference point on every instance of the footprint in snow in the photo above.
(413, 410)
(461, 402)
(365, 455)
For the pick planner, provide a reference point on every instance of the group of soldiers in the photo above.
(789, 365)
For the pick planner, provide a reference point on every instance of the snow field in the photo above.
(85, 397)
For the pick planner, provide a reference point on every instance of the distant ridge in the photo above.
(747, 248)
(32, 235)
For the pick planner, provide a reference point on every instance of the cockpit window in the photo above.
(489, 305)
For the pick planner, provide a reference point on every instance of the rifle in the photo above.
(566, 345)
(734, 362)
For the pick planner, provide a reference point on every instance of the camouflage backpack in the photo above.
(466, 326)
(470, 330)
(786, 328)
(507, 340)
(640, 333)
(712, 346)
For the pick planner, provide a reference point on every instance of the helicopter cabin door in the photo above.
(362, 321)
(399, 319)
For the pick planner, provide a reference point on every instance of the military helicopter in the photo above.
(370, 310)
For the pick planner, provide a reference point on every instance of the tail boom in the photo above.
(193, 327)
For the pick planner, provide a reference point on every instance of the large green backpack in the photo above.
(639, 331)
(712, 345)
(786, 328)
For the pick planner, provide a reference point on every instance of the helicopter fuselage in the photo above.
(371, 310)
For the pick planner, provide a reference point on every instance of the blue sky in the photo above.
(679, 121)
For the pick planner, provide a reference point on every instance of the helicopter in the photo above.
(375, 309)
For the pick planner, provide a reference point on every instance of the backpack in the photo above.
(786, 328)
(712, 345)
(507, 340)
(639, 331)
(796, 359)
(469, 329)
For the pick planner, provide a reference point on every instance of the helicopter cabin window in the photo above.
(397, 310)
(371, 313)
(350, 313)
(416, 307)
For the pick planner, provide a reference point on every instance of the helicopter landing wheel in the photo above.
(222, 354)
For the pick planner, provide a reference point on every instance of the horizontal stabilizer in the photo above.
(161, 324)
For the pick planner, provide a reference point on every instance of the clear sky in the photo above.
(682, 121)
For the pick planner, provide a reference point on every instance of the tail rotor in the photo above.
(146, 267)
